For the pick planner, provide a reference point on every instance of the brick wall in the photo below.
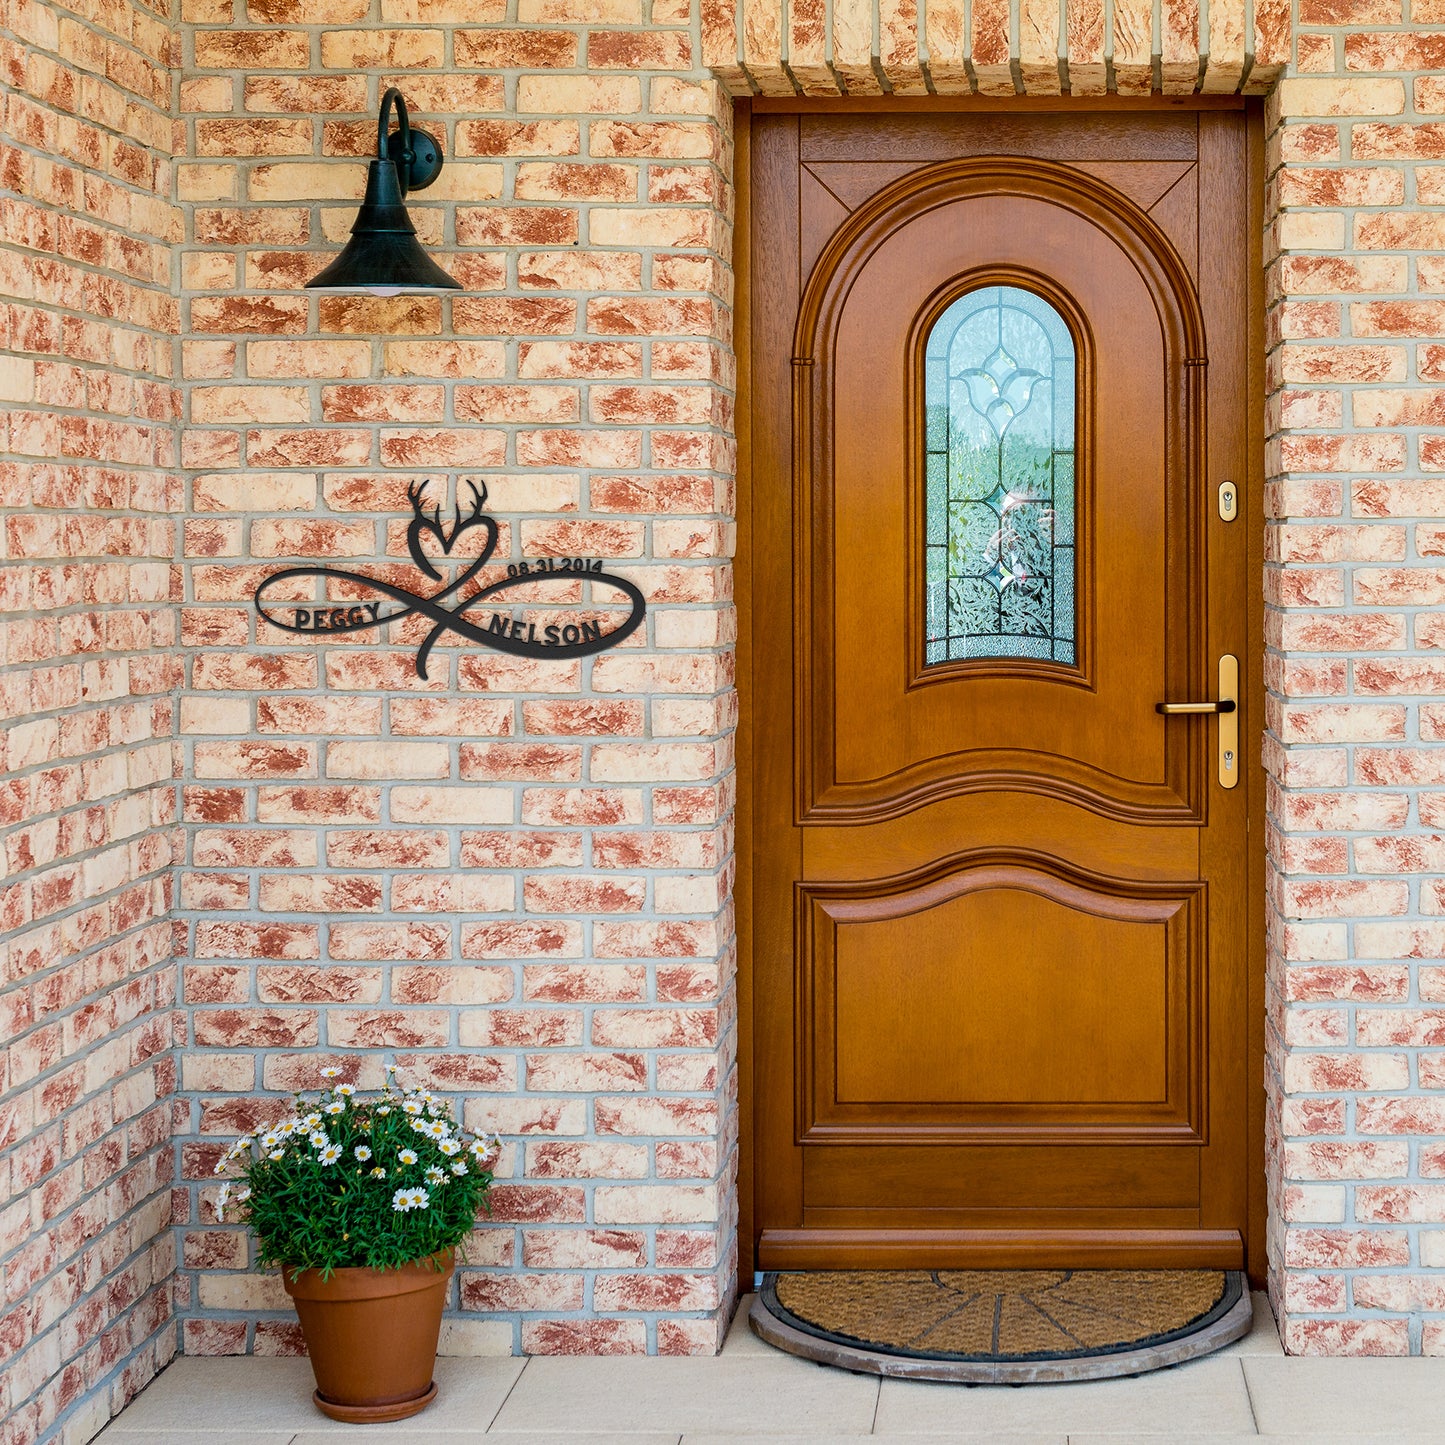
(513, 878)
(1354, 581)
(88, 491)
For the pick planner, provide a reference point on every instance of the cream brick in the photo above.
(17, 379)
(324, 359)
(387, 760)
(1352, 96)
(306, 181)
(640, 227)
(215, 715)
(1298, 231)
(391, 49)
(243, 1292)
(655, 1204)
(207, 182)
(579, 95)
(465, 803)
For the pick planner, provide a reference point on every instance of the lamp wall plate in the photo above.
(425, 164)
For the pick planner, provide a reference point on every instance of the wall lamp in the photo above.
(383, 255)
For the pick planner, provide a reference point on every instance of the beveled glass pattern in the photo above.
(999, 392)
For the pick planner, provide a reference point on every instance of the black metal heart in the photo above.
(422, 525)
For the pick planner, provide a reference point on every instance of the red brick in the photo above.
(584, 1337)
(515, 49)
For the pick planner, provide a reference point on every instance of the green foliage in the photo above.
(349, 1180)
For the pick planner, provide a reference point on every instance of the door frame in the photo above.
(1253, 516)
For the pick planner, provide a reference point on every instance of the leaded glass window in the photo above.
(1000, 394)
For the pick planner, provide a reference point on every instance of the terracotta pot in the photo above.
(372, 1336)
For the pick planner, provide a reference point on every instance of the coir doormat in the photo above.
(985, 1326)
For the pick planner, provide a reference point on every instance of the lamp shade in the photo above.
(383, 256)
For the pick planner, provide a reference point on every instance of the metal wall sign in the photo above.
(510, 625)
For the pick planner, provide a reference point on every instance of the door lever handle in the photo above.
(1227, 706)
(1174, 709)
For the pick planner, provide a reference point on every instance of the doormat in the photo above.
(1000, 1326)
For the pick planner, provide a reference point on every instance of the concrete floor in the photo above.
(1242, 1393)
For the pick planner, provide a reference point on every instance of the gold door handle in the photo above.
(1176, 709)
(1227, 709)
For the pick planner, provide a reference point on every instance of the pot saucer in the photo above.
(375, 1414)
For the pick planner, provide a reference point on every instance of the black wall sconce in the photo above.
(383, 255)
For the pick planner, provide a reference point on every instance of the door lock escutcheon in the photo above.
(1226, 708)
(1228, 501)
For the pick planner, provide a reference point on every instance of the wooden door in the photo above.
(1000, 932)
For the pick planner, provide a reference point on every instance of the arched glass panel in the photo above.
(999, 389)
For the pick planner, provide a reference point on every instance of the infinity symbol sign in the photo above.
(502, 632)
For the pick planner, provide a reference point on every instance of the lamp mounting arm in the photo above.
(417, 157)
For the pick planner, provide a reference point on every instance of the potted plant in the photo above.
(363, 1202)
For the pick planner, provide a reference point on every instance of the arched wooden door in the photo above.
(1000, 933)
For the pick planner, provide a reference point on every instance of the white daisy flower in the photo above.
(331, 1154)
(289, 1127)
(277, 1154)
(319, 1139)
(378, 1172)
(270, 1140)
(437, 1129)
(345, 1090)
(419, 1125)
(311, 1120)
(331, 1073)
(459, 1167)
(412, 1106)
(407, 1156)
(362, 1152)
(392, 1068)
(385, 1109)
(335, 1107)
(220, 1166)
(242, 1195)
(407, 1199)
(486, 1152)
(435, 1176)
(450, 1146)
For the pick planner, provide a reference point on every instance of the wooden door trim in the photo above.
(742, 582)
(1253, 518)
(1252, 515)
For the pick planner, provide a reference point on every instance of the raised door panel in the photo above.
(999, 999)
